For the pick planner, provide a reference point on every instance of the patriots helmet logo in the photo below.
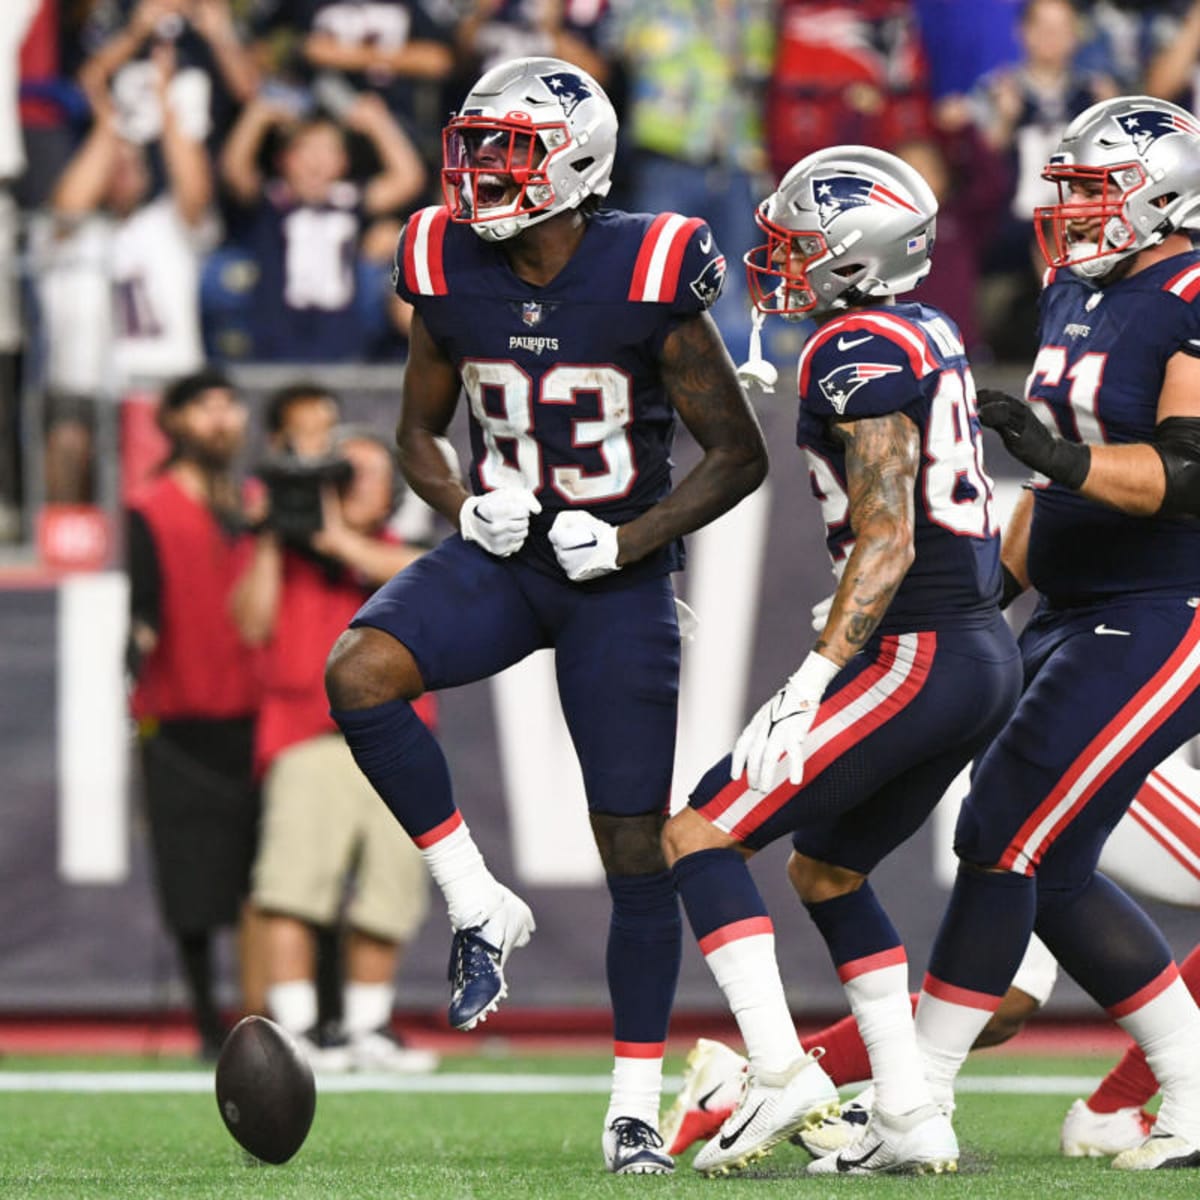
(834, 194)
(568, 89)
(842, 382)
(1147, 125)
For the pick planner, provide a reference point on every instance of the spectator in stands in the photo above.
(12, 166)
(303, 228)
(576, 31)
(323, 824)
(1173, 73)
(117, 276)
(846, 72)
(397, 50)
(694, 75)
(971, 184)
(216, 73)
(195, 694)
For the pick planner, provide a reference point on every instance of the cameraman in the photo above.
(321, 818)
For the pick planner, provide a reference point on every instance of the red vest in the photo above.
(314, 610)
(200, 667)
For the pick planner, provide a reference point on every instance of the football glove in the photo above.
(498, 521)
(777, 731)
(1030, 442)
(585, 546)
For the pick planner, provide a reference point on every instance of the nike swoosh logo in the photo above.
(706, 243)
(848, 1164)
(727, 1140)
(702, 1103)
(844, 344)
(581, 546)
(1103, 629)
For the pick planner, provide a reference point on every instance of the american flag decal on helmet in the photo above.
(836, 193)
(841, 383)
(1147, 125)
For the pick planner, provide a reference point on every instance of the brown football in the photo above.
(265, 1090)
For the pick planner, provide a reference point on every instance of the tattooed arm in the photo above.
(699, 377)
(883, 455)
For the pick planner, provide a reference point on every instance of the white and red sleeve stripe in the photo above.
(1171, 686)
(424, 235)
(902, 333)
(656, 272)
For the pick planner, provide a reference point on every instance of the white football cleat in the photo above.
(712, 1085)
(836, 1133)
(1088, 1134)
(1160, 1151)
(477, 957)
(381, 1050)
(774, 1105)
(921, 1142)
(632, 1147)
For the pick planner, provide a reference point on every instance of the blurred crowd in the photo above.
(186, 182)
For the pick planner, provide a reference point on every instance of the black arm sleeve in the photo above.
(145, 580)
(1177, 440)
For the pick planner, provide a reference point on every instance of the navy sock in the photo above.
(854, 926)
(403, 761)
(1102, 939)
(985, 930)
(645, 942)
(717, 890)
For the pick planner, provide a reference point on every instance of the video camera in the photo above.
(294, 487)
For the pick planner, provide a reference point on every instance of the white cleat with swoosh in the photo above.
(920, 1142)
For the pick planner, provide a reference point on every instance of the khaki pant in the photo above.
(322, 820)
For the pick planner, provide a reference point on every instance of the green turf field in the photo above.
(497, 1146)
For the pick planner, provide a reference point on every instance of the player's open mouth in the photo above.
(491, 190)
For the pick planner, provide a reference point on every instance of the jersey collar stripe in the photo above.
(1177, 849)
(1167, 827)
(423, 271)
(1186, 284)
(1143, 996)
(735, 931)
(1163, 694)
(896, 330)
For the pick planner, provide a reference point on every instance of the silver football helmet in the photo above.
(1128, 174)
(845, 224)
(534, 137)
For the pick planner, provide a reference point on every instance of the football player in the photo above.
(1108, 538)
(913, 673)
(577, 335)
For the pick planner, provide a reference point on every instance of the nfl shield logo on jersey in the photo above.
(531, 313)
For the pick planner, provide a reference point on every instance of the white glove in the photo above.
(820, 613)
(498, 521)
(779, 728)
(585, 546)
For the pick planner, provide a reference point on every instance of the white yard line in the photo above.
(462, 1084)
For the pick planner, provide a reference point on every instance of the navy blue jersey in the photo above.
(563, 381)
(1097, 378)
(907, 358)
(306, 302)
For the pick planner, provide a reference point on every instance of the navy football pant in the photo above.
(895, 727)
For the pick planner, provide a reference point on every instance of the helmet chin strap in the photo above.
(756, 370)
